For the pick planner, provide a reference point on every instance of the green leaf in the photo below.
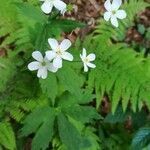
(7, 71)
(70, 80)
(141, 28)
(49, 86)
(68, 133)
(7, 137)
(30, 12)
(93, 138)
(141, 138)
(40, 121)
(66, 25)
(86, 97)
(118, 117)
(78, 113)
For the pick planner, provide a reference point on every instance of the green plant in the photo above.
(63, 112)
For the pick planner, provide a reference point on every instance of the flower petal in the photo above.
(60, 5)
(42, 73)
(116, 4)
(65, 44)
(114, 21)
(107, 5)
(91, 57)
(81, 57)
(35, 65)
(85, 68)
(51, 68)
(57, 62)
(50, 55)
(67, 56)
(47, 7)
(84, 53)
(53, 43)
(121, 14)
(107, 15)
(37, 56)
(91, 65)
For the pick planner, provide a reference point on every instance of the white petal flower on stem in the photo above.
(86, 59)
(59, 52)
(48, 5)
(113, 13)
(42, 64)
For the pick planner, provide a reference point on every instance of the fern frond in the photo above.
(7, 137)
(7, 71)
(121, 73)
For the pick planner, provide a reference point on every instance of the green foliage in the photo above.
(47, 115)
(119, 116)
(67, 77)
(7, 137)
(7, 69)
(65, 128)
(43, 125)
(49, 86)
(141, 138)
(124, 73)
(124, 77)
(59, 112)
(8, 22)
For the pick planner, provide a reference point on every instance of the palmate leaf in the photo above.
(68, 133)
(78, 113)
(141, 138)
(43, 124)
(49, 86)
(61, 82)
(7, 137)
(70, 80)
(65, 110)
(70, 105)
(67, 99)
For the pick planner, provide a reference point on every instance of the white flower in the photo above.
(58, 52)
(48, 5)
(42, 64)
(113, 13)
(87, 60)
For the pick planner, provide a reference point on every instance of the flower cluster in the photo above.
(53, 59)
